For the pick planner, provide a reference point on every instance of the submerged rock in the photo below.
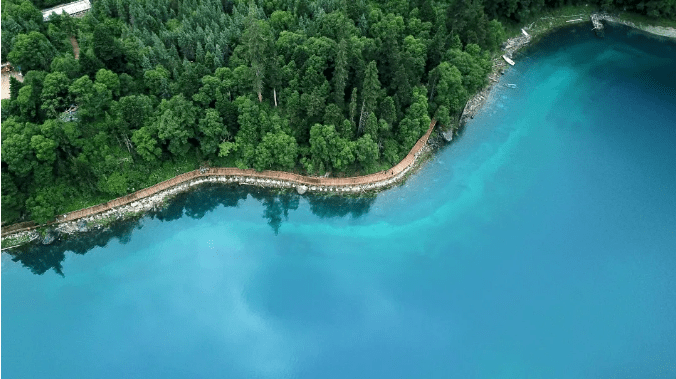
(448, 135)
(82, 226)
(49, 238)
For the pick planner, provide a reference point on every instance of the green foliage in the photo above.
(416, 121)
(387, 110)
(41, 207)
(257, 43)
(146, 143)
(44, 148)
(329, 150)
(16, 151)
(106, 47)
(31, 51)
(27, 102)
(336, 86)
(109, 80)
(276, 151)
(447, 88)
(55, 97)
(115, 184)
(157, 81)
(370, 88)
(212, 132)
(175, 123)
(340, 75)
(66, 64)
(248, 136)
(132, 112)
(92, 98)
(225, 148)
(367, 152)
(12, 200)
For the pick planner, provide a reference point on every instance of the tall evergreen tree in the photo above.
(256, 41)
(340, 74)
(370, 93)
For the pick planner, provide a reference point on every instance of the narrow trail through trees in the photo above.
(76, 47)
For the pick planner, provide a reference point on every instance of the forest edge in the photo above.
(151, 197)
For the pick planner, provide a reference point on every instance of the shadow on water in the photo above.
(338, 206)
(40, 258)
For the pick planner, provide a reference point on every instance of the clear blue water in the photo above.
(540, 244)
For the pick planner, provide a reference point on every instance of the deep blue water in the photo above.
(540, 244)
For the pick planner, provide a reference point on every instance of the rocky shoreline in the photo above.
(49, 233)
(655, 30)
(474, 104)
(513, 45)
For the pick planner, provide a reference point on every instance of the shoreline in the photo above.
(151, 198)
(535, 31)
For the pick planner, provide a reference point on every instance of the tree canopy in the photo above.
(161, 87)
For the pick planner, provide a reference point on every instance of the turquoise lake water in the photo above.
(540, 244)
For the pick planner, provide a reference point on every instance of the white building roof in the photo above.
(70, 8)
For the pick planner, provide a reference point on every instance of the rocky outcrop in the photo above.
(48, 238)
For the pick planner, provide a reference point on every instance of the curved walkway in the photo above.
(138, 201)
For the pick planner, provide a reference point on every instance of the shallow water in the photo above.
(540, 244)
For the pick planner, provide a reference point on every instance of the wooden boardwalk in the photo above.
(295, 179)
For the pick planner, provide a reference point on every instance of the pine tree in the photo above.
(256, 40)
(353, 107)
(370, 93)
(340, 74)
(387, 110)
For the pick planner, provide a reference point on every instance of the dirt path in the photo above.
(76, 47)
(5, 82)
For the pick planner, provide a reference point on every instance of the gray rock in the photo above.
(49, 238)
(82, 226)
(301, 189)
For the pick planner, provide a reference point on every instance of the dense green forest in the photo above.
(161, 87)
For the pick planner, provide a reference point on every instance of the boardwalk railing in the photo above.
(229, 171)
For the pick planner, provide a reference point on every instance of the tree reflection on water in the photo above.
(196, 204)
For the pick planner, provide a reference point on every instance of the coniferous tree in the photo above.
(256, 40)
(163, 82)
(370, 93)
(340, 74)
